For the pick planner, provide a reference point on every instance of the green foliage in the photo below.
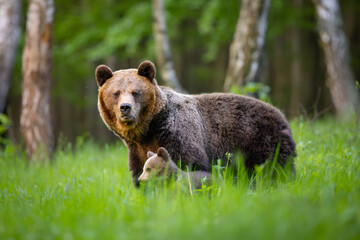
(217, 25)
(105, 29)
(285, 14)
(88, 194)
(91, 32)
(260, 90)
(5, 123)
(111, 32)
(205, 25)
(6, 147)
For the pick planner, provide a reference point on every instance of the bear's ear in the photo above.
(150, 154)
(102, 73)
(147, 69)
(162, 152)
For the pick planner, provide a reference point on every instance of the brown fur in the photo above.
(195, 129)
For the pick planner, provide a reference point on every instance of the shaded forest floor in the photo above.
(87, 193)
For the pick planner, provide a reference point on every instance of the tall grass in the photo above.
(87, 193)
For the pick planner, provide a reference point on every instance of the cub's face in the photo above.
(153, 167)
(156, 165)
(125, 96)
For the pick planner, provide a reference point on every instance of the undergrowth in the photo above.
(86, 192)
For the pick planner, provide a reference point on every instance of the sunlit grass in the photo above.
(87, 193)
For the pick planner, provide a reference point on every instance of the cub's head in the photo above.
(156, 165)
(126, 97)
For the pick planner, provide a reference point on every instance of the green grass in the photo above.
(87, 193)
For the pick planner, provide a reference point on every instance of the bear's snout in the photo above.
(125, 108)
(142, 178)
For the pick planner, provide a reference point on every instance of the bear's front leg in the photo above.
(135, 176)
(136, 170)
(135, 166)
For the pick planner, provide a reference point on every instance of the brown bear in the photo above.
(195, 129)
(161, 165)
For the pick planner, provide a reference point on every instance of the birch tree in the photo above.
(10, 12)
(163, 52)
(247, 48)
(295, 66)
(35, 120)
(340, 78)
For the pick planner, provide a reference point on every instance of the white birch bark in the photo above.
(246, 49)
(163, 52)
(35, 120)
(340, 78)
(10, 16)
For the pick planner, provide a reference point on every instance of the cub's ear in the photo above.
(147, 69)
(102, 73)
(162, 152)
(150, 154)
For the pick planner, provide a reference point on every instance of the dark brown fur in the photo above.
(195, 129)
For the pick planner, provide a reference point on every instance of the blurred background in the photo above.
(120, 34)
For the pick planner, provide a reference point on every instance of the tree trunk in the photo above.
(340, 78)
(163, 52)
(295, 67)
(246, 50)
(10, 12)
(257, 66)
(35, 120)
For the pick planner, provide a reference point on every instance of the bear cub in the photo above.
(161, 165)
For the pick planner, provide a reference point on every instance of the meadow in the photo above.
(86, 192)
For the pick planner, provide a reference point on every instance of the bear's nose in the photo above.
(125, 108)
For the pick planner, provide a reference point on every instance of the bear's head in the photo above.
(127, 98)
(156, 165)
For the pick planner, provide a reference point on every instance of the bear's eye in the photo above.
(116, 94)
(148, 169)
(135, 93)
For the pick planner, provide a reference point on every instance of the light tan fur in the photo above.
(161, 165)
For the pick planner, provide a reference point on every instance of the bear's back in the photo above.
(220, 123)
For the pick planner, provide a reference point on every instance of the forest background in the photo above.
(310, 69)
(120, 35)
